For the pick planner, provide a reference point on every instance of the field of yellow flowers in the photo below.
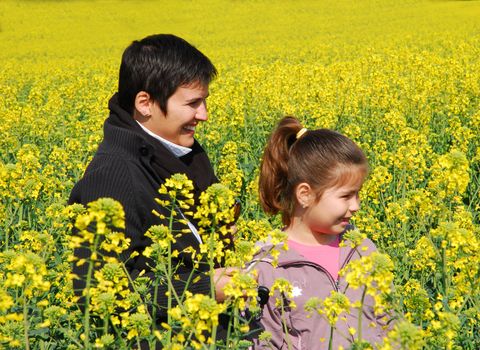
(400, 78)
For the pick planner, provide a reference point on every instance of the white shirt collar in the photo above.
(177, 150)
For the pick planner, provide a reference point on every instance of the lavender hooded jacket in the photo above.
(312, 280)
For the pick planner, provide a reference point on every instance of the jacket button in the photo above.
(144, 151)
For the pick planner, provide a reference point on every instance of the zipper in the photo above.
(347, 260)
(321, 268)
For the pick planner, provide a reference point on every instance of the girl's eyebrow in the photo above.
(352, 190)
(349, 192)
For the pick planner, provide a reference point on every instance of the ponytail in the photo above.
(273, 180)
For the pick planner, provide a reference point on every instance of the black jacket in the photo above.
(130, 166)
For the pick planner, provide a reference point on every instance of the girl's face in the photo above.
(333, 211)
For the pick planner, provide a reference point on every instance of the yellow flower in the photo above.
(242, 289)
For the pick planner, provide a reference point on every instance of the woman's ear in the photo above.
(304, 194)
(143, 104)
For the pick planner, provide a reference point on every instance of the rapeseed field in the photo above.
(401, 78)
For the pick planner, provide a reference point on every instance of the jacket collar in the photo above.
(177, 150)
(291, 256)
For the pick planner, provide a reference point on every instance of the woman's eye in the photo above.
(195, 103)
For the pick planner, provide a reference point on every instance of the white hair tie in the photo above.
(301, 132)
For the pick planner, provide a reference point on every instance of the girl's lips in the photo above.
(345, 221)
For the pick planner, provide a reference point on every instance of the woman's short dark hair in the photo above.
(158, 65)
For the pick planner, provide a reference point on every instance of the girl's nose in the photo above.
(355, 204)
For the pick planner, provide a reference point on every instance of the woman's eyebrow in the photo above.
(197, 98)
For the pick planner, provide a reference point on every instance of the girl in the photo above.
(313, 179)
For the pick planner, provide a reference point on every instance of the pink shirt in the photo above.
(327, 256)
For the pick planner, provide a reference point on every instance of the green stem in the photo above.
(138, 342)
(211, 264)
(212, 279)
(460, 309)
(330, 341)
(120, 337)
(360, 314)
(444, 279)
(10, 224)
(25, 323)
(106, 317)
(155, 296)
(170, 289)
(169, 275)
(66, 333)
(86, 317)
(285, 328)
(235, 327)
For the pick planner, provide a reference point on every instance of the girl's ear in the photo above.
(143, 104)
(304, 194)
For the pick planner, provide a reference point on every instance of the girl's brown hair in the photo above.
(322, 158)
